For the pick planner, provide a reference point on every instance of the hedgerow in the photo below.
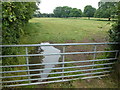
(15, 15)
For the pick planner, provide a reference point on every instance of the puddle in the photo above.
(49, 59)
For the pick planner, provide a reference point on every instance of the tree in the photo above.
(89, 11)
(66, 11)
(58, 11)
(106, 10)
(75, 12)
(62, 11)
(37, 13)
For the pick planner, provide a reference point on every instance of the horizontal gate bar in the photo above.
(76, 75)
(57, 80)
(57, 73)
(94, 76)
(52, 69)
(68, 53)
(59, 62)
(60, 44)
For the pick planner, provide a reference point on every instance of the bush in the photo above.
(15, 15)
(114, 32)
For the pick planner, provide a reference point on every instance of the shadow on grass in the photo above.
(99, 19)
(104, 20)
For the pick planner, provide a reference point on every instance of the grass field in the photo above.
(69, 30)
(60, 30)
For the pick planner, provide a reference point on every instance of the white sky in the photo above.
(47, 6)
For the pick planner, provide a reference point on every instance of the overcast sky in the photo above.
(47, 6)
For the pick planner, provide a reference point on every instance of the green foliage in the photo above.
(106, 10)
(57, 11)
(15, 15)
(66, 11)
(114, 32)
(89, 11)
(75, 13)
(44, 15)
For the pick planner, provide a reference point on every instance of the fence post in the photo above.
(63, 60)
(94, 55)
(27, 62)
(116, 55)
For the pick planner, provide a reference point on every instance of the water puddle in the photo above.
(49, 59)
(43, 59)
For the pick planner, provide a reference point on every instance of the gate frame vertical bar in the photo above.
(94, 55)
(63, 60)
(27, 62)
(116, 55)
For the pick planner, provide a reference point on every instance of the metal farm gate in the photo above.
(66, 69)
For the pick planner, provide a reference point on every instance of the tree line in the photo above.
(105, 10)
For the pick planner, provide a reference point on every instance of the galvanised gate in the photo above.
(64, 70)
